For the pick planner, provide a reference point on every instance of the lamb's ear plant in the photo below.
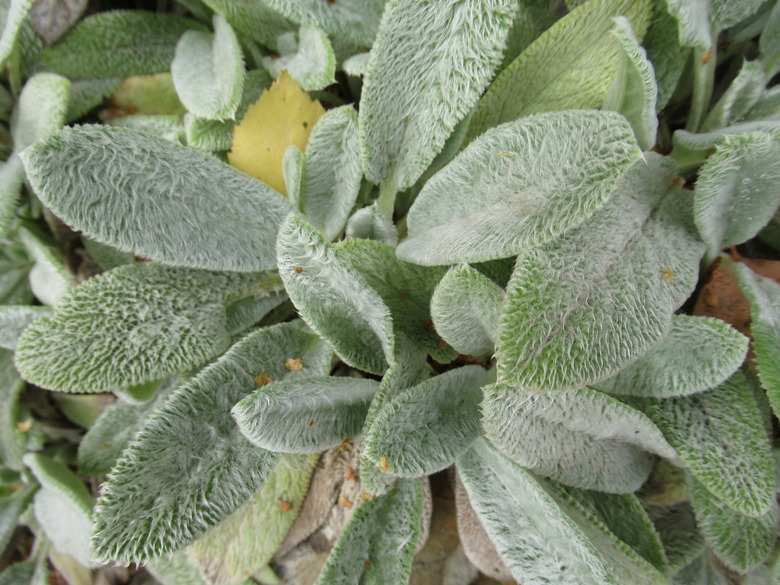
(284, 262)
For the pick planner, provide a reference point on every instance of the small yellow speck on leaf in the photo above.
(345, 444)
(383, 463)
(24, 426)
(669, 275)
(284, 507)
(366, 496)
(105, 446)
(263, 379)
(294, 365)
(366, 565)
(345, 502)
(503, 154)
(298, 269)
(282, 117)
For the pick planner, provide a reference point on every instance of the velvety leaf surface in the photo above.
(581, 438)
(176, 569)
(740, 97)
(40, 110)
(12, 442)
(52, 18)
(249, 311)
(682, 540)
(604, 309)
(15, 12)
(14, 319)
(253, 18)
(189, 466)
(699, 353)
(507, 191)
(371, 223)
(50, 280)
(333, 298)
(157, 199)
(11, 181)
(664, 51)
(308, 58)
(430, 61)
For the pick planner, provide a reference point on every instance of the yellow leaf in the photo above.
(283, 116)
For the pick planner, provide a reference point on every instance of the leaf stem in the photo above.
(704, 63)
(386, 199)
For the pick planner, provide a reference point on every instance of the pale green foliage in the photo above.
(210, 135)
(151, 321)
(14, 319)
(743, 93)
(431, 61)
(292, 169)
(664, 52)
(306, 415)
(12, 442)
(50, 281)
(249, 311)
(12, 18)
(208, 71)
(698, 354)
(692, 21)
(720, 438)
(308, 58)
(176, 569)
(507, 191)
(581, 438)
(604, 309)
(466, 308)
(11, 181)
(379, 541)
(166, 127)
(247, 539)
(189, 466)
(40, 110)
(371, 223)
(356, 65)
(769, 43)
(533, 17)
(424, 429)
(253, 18)
(170, 219)
(119, 43)
(87, 94)
(681, 538)
(331, 180)
(633, 93)
(571, 65)
(736, 192)
(333, 298)
(708, 140)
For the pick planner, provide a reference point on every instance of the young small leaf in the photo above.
(11, 181)
(157, 199)
(307, 57)
(743, 93)
(371, 223)
(664, 51)
(255, 19)
(50, 280)
(682, 540)
(15, 12)
(507, 191)
(41, 109)
(13, 444)
(14, 319)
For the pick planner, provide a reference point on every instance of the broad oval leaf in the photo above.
(333, 298)
(582, 438)
(426, 428)
(507, 191)
(431, 61)
(305, 416)
(189, 466)
(308, 58)
(15, 13)
(208, 71)
(163, 201)
(119, 43)
(41, 109)
(571, 319)
(14, 319)
(720, 438)
(699, 353)
(146, 320)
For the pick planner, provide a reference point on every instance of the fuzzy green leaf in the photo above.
(720, 438)
(11, 181)
(333, 298)
(14, 267)
(88, 94)
(570, 66)
(249, 311)
(507, 191)
(14, 319)
(50, 280)
(12, 442)
(426, 428)
(209, 135)
(308, 58)
(305, 416)
(693, 22)
(147, 320)
(736, 192)
(208, 71)
(682, 540)
(466, 309)
(431, 61)
(253, 18)
(698, 354)
(378, 543)
(176, 569)
(664, 51)
(331, 179)
(604, 309)
(371, 223)
(769, 43)
(689, 141)
(189, 466)
(293, 164)
(743, 93)
(15, 12)
(582, 438)
(165, 204)
(41, 109)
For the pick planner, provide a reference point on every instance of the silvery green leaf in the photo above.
(540, 540)
(604, 309)
(52, 18)
(331, 178)
(427, 427)
(176, 569)
(533, 17)
(356, 65)
(693, 22)
(699, 353)
(208, 71)
(466, 309)
(371, 223)
(664, 51)
(112, 432)
(634, 92)
(14, 319)
(720, 438)
(767, 107)
(682, 540)
(11, 181)
(356, 20)
(378, 543)
(14, 268)
(293, 164)
(63, 506)
(87, 94)
(726, 13)
(333, 298)
(157, 199)
(163, 126)
(15, 12)
(11, 508)
(306, 415)
(405, 288)
(12, 443)
(769, 42)
(736, 192)
(507, 191)
(249, 311)
(50, 280)
(253, 18)
(740, 541)
(570, 66)
(41, 109)
(209, 135)
(743, 93)
(764, 297)
(430, 61)
(189, 466)
(582, 438)
(308, 58)
(119, 43)
(106, 256)
(703, 142)
(147, 320)
(247, 539)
